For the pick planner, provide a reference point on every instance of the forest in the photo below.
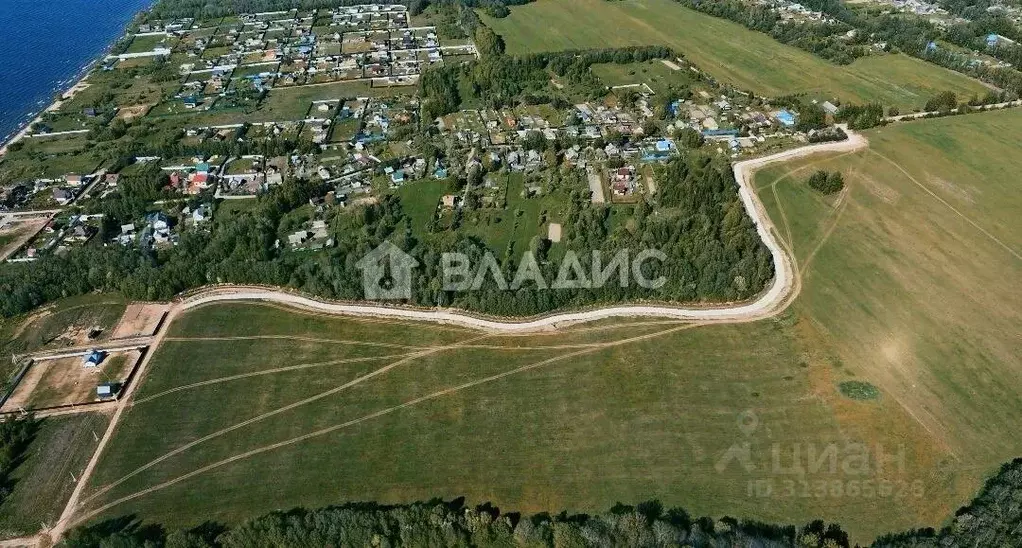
(714, 253)
(993, 518)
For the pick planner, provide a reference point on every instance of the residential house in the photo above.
(93, 358)
(62, 196)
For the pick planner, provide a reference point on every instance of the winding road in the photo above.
(775, 299)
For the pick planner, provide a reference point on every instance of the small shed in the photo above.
(106, 390)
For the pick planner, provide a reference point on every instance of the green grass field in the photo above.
(43, 482)
(908, 285)
(51, 326)
(658, 76)
(727, 50)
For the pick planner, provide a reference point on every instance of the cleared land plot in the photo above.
(66, 323)
(141, 44)
(728, 51)
(658, 76)
(139, 320)
(43, 482)
(17, 234)
(60, 382)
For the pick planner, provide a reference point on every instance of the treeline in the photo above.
(822, 39)
(913, 36)
(501, 80)
(910, 35)
(452, 524)
(993, 518)
(15, 435)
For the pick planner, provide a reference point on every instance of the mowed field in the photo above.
(730, 52)
(909, 283)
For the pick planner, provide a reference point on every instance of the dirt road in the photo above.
(775, 299)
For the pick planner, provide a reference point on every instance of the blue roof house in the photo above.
(93, 359)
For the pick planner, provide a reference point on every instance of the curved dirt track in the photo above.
(782, 290)
(774, 300)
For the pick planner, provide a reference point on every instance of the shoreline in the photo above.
(80, 79)
(79, 85)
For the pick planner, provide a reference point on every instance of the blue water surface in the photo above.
(46, 46)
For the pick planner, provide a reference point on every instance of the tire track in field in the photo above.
(299, 338)
(275, 412)
(946, 204)
(333, 428)
(239, 376)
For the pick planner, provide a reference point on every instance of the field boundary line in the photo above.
(375, 414)
(294, 405)
(295, 338)
(240, 376)
(965, 217)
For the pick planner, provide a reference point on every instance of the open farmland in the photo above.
(898, 270)
(728, 51)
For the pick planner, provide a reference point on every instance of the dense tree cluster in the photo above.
(861, 116)
(15, 435)
(993, 518)
(826, 182)
(453, 524)
(501, 80)
(943, 102)
(713, 251)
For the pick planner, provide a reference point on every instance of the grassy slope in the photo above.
(728, 51)
(904, 291)
(43, 481)
(896, 288)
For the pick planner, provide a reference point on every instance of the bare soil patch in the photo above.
(133, 111)
(54, 383)
(17, 234)
(140, 320)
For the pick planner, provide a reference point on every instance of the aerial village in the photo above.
(342, 84)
